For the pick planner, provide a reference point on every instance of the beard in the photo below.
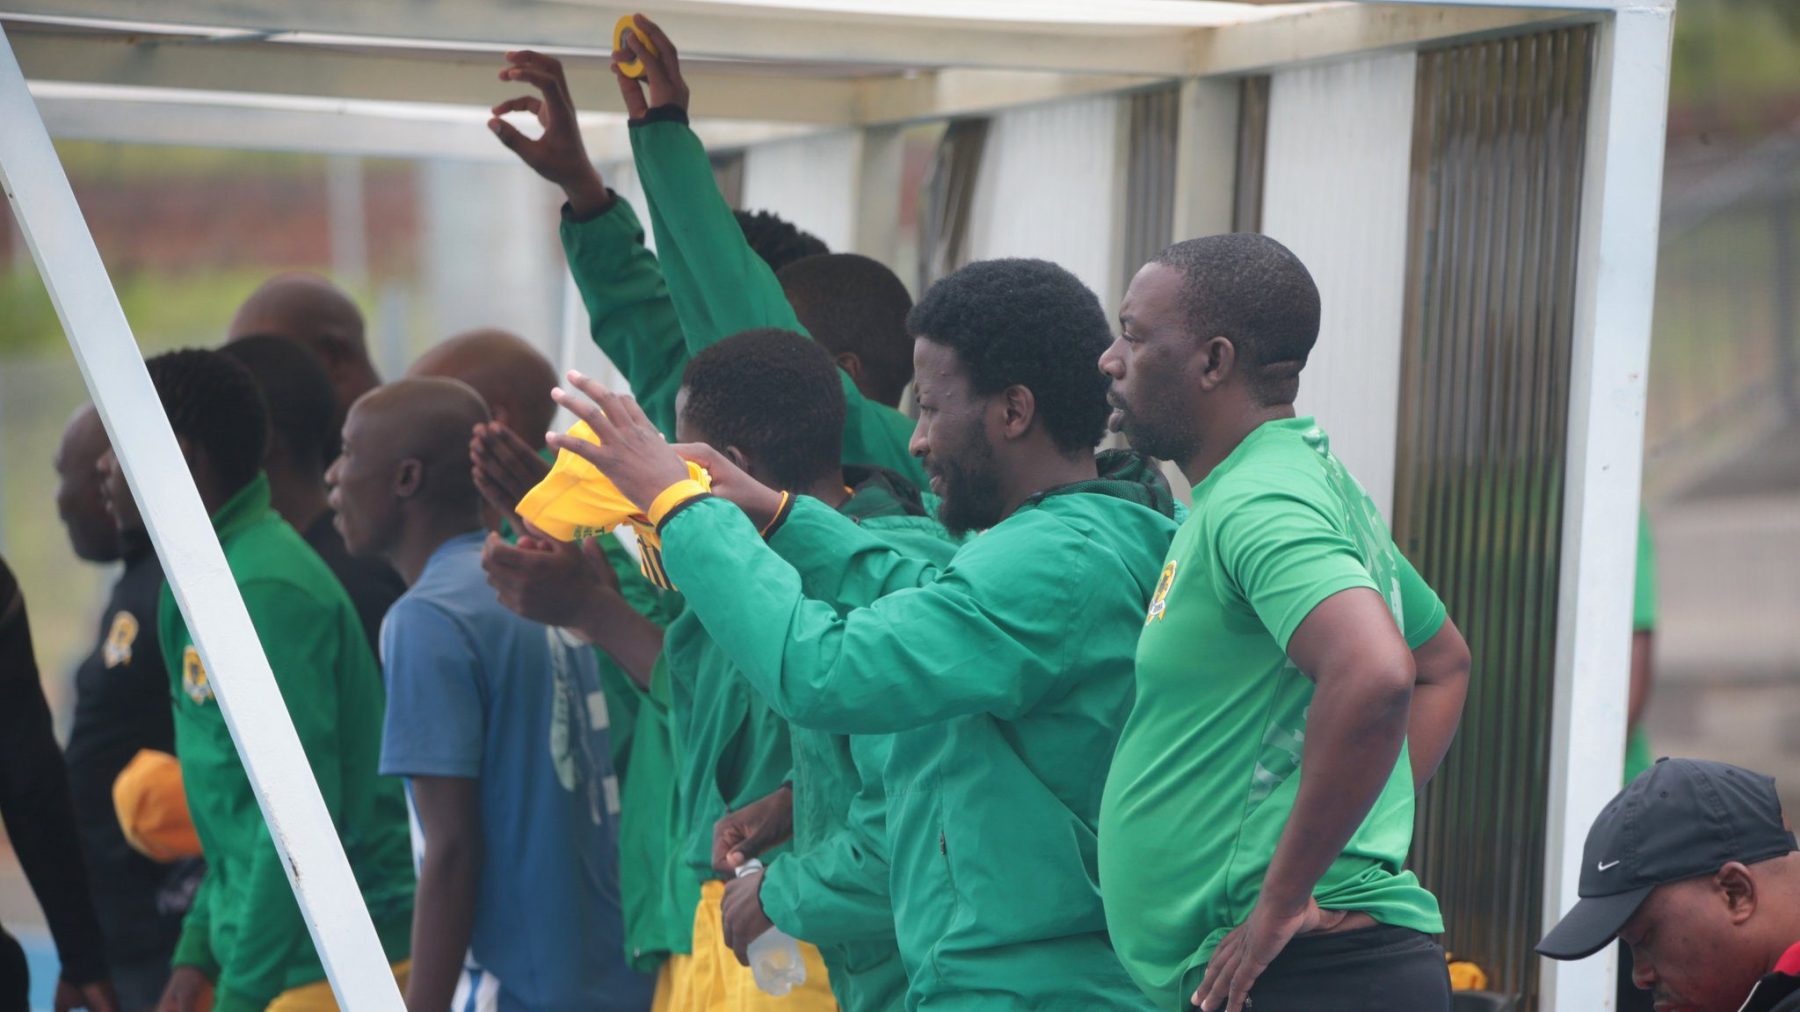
(970, 489)
(1164, 438)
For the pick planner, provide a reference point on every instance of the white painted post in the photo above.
(182, 533)
(1615, 291)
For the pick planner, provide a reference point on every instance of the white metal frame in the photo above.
(996, 59)
(195, 565)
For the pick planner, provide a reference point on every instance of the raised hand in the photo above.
(730, 482)
(548, 581)
(504, 467)
(662, 83)
(752, 829)
(631, 451)
(559, 155)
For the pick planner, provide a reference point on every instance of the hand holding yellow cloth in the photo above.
(575, 501)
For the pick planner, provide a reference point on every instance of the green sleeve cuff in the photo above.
(781, 897)
(603, 240)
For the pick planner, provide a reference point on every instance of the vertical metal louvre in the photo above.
(1252, 151)
(1153, 122)
(1499, 131)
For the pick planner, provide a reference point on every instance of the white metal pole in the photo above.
(1615, 291)
(182, 533)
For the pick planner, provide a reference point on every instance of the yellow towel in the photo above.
(575, 500)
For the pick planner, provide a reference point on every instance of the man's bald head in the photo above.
(79, 501)
(316, 313)
(405, 464)
(511, 375)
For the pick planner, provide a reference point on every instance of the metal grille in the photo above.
(1499, 130)
(1252, 149)
(1153, 123)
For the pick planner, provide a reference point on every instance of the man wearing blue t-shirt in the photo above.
(498, 725)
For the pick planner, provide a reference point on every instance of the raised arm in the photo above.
(631, 317)
(720, 286)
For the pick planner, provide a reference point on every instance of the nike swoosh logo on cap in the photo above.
(1608, 865)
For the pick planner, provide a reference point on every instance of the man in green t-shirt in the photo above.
(1296, 679)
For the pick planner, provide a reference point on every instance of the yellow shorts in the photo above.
(317, 996)
(712, 980)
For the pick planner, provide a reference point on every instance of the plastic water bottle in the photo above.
(774, 957)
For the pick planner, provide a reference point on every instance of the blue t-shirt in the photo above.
(476, 691)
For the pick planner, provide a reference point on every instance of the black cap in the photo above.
(1680, 819)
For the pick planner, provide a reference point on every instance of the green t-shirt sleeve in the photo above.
(194, 947)
(630, 315)
(1284, 555)
(968, 642)
(1419, 604)
(1643, 599)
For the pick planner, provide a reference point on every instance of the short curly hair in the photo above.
(778, 241)
(1029, 323)
(853, 303)
(214, 403)
(774, 395)
(297, 390)
(1256, 293)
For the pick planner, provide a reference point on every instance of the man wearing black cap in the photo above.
(1693, 867)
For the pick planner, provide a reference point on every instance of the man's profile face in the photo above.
(362, 487)
(1149, 364)
(80, 501)
(952, 439)
(1688, 952)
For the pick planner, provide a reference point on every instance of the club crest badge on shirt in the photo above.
(193, 676)
(117, 649)
(1159, 601)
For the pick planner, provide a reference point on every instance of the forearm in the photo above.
(443, 921)
(630, 639)
(1642, 649)
(1355, 728)
(1431, 727)
(839, 561)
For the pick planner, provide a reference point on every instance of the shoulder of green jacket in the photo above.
(1122, 474)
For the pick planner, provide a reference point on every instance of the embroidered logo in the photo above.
(117, 649)
(1159, 601)
(193, 676)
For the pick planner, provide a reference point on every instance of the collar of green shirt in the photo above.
(246, 506)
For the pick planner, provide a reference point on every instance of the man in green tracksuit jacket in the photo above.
(1004, 674)
(244, 932)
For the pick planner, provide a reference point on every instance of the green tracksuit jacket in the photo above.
(244, 929)
(1004, 677)
(721, 287)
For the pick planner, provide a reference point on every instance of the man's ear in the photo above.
(1018, 409)
(851, 363)
(409, 477)
(1219, 362)
(1737, 887)
(739, 459)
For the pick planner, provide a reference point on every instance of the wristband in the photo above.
(673, 496)
(781, 511)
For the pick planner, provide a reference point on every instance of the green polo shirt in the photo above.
(245, 929)
(1208, 764)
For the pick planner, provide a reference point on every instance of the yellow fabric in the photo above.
(576, 501)
(712, 980)
(635, 68)
(1466, 976)
(152, 807)
(317, 996)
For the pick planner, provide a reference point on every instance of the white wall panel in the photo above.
(1335, 191)
(1049, 187)
(811, 181)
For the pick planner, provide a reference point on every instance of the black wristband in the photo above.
(678, 507)
(670, 113)
(781, 515)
